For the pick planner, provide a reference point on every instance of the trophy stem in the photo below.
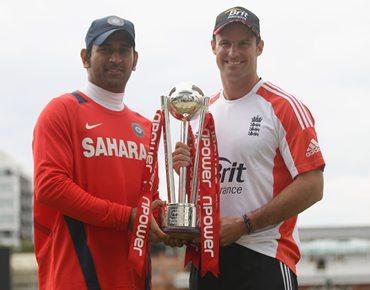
(182, 177)
(195, 180)
(168, 152)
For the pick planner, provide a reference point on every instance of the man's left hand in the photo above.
(231, 229)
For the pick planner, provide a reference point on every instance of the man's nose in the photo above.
(116, 57)
(233, 51)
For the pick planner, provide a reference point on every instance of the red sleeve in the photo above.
(53, 168)
(299, 145)
(297, 137)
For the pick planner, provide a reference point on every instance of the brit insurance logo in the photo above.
(231, 176)
(255, 126)
(238, 13)
(138, 130)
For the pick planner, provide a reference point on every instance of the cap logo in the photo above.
(115, 21)
(236, 13)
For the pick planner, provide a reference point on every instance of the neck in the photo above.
(234, 90)
(107, 99)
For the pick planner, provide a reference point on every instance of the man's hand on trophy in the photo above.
(195, 242)
(172, 242)
(156, 234)
(181, 156)
(231, 229)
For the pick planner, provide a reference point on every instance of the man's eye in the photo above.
(104, 49)
(125, 50)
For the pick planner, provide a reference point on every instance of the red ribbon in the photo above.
(189, 172)
(209, 203)
(138, 250)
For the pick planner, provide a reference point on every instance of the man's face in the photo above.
(111, 63)
(236, 50)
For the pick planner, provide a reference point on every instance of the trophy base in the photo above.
(180, 221)
(182, 233)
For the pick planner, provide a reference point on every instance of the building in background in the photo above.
(336, 258)
(16, 197)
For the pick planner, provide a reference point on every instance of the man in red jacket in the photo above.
(89, 156)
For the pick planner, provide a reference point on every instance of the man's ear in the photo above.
(136, 57)
(260, 46)
(84, 58)
(213, 45)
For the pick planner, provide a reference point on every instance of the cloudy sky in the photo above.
(317, 50)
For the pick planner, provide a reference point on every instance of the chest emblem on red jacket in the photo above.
(138, 130)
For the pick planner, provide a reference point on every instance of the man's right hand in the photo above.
(156, 235)
(181, 156)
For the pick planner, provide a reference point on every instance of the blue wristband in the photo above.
(247, 223)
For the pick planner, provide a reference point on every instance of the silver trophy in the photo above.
(185, 102)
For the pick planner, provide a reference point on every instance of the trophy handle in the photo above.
(195, 180)
(168, 151)
(182, 176)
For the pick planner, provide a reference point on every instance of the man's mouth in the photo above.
(115, 70)
(233, 62)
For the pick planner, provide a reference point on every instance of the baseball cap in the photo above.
(237, 14)
(101, 28)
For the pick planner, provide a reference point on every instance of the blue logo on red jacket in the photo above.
(138, 130)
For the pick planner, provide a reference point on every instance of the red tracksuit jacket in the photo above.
(88, 165)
